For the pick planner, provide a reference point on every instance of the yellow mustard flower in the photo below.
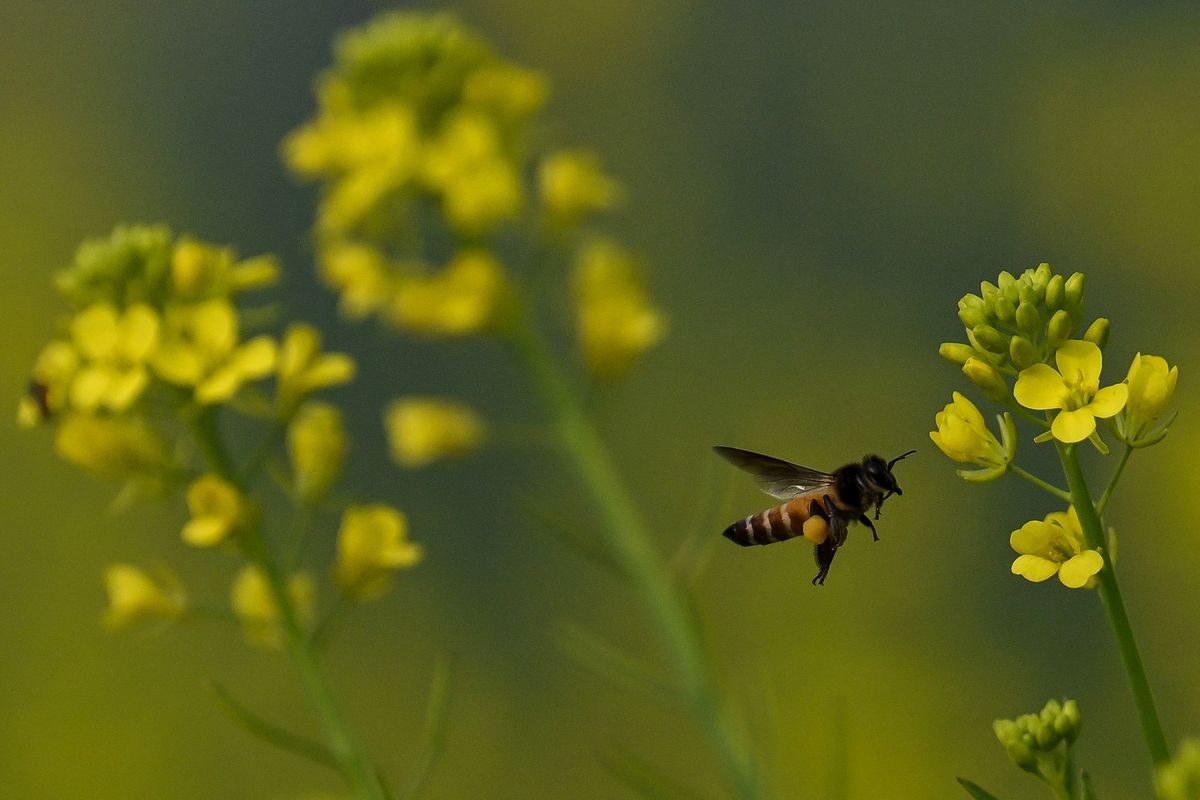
(303, 368)
(200, 270)
(466, 165)
(360, 274)
(255, 606)
(1179, 778)
(53, 371)
(615, 322)
(963, 436)
(114, 347)
(316, 443)
(218, 511)
(1055, 546)
(1074, 389)
(506, 90)
(572, 184)
(202, 349)
(133, 595)
(372, 544)
(1151, 386)
(462, 299)
(422, 430)
(111, 447)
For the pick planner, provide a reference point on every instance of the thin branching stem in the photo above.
(1102, 503)
(1110, 593)
(629, 540)
(1061, 494)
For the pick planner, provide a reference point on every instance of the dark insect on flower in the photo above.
(817, 505)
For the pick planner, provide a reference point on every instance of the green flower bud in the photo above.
(1006, 311)
(1029, 321)
(1005, 280)
(1047, 737)
(1006, 731)
(1023, 352)
(1022, 755)
(1097, 332)
(1073, 297)
(1042, 275)
(986, 377)
(1056, 292)
(972, 311)
(989, 291)
(1029, 294)
(1072, 721)
(1050, 711)
(956, 353)
(1059, 329)
(992, 340)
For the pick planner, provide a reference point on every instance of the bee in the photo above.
(816, 505)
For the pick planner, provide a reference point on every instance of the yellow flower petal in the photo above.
(1034, 568)
(254, 359)
(1109, 400)
(1032, 537)
(330, 369)
(94, 331)
(137, 333)
(89, 386)
(1073, 426)
(1075, 572)
(1079, 362)
(205, 531)
(1041, 388)
(124, 387)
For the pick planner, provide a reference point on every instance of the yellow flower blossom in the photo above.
(1055, 546)
(1179, 778)
(466, 165)
(303, 368)
(53, 371)
(963, 436)
(423, 430)
(1074, 389)
(111, 447)
(572, 184)
(255, 605)
(372, 544)
(133, 595)
(201, 270)
(462, 299)
(615, 322)
(316, 443)
(506, 90)
(218, 511)
(1151, 386)
(114, 347)
(202, 349)
(361, 275)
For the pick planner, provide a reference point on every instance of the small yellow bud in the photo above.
(572, 185)
(1097, 332)
(218, 511)
(316, 443)
(986, 377)
(423, 430)
(956, 353)
(134, 595)
(1151, 388)
(1029, 321)
(254, 603)
(372, 544)
(1055, 293)
(1073, 291)
(992, 340)
(1023, 353)
(616, 322)
(1059, 329)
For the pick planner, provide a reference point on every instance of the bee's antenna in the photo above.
(899, 458)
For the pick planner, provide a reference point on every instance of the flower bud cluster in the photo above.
(1040, 743)
(1017, 322)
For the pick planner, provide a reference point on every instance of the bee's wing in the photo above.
(778, 478)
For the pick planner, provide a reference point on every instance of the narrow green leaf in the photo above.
(613, 664)
(433, 737)
(647, 780)
(271, 733)
(975, 791)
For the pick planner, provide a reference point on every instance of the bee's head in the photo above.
(879, 474)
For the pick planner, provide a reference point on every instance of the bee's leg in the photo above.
(865, 520)
(837, 523)
(824, 553)
(827, 549)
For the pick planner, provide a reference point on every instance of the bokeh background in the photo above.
(814, 186)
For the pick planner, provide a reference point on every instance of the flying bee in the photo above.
(816, 505)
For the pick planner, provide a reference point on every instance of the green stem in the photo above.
(1027, 414)
(1110, 593)
(1041, 484)
(358, 773)
(1102, 503)
(629, 540)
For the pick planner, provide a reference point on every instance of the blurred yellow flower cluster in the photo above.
(421, 145)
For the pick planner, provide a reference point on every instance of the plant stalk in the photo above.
(1110, 594)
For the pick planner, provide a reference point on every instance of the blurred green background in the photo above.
(814, 185)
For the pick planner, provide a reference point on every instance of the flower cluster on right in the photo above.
(1027, 349)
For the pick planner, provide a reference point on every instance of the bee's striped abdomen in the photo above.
(776, 524)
